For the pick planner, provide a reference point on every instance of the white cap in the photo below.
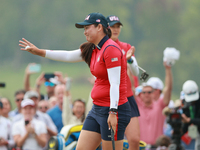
(138, 90)
(54, 80)
(27, 102)
(155, 83)
(190, 88)
(30, 94)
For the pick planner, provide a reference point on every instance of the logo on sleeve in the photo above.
(114, 59)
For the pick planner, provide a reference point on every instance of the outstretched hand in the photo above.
(130, 53)
(31, 48)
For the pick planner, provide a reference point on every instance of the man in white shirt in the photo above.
(6, 140)
(29, 133)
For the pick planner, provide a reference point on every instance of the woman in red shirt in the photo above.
(108, 64)
(132, 131)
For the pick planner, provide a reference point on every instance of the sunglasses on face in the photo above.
(149, 92)
(17, 100)
(49, 84)
(43, 107)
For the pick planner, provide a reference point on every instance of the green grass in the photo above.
(14, 78)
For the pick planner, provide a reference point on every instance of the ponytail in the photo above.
(86, 49)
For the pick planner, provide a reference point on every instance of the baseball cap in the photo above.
(155, 83)
(93, 18)
(30, 94)
(27, 102)
(190, 88)
(112, 20)
(54, 80)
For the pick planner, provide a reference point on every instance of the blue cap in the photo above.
(112, 20)
(93, 18)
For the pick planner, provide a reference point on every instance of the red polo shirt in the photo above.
(125, 47)
(105, 56)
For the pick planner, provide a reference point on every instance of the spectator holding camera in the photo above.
(191, 111)
(29, 133)
(49, 80)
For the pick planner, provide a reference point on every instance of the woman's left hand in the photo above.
(112, 122)
(130, 53)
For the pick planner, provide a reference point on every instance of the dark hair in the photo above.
(82, 101)
(88, 47)
(163, 141)
(19, 92)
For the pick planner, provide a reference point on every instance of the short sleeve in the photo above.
(112, 56)
(16, 129)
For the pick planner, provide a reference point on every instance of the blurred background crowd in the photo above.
(33, 95)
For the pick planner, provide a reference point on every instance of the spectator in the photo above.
(163, 142)
(49, 83)
(6, 140)
(6, 107)
(151, 110)
(43, 106)
(56, 112)
(19, 96)
(52, 102)
(33, 95)
(29, 133)
(157, 86)
(191, 111)
(77, 114)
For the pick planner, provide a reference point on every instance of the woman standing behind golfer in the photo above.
(132, 131)
(108, 65)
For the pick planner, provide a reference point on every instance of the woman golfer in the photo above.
(108, 64)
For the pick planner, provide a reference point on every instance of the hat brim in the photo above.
(82, 24)
(114, 22)
(191, 98)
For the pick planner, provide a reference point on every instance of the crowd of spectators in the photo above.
(39, 116)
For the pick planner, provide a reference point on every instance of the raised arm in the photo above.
(132, 61)
(168, 84)
(58, 55)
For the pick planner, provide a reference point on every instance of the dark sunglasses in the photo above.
(43, 107)
(149, 92)
(17, 100)
(49, 84)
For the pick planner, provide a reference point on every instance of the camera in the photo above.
(2, 85)
(47, 76)
(175, 120)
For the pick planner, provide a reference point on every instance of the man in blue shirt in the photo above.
(56, 112)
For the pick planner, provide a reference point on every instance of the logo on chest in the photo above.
(98, 59)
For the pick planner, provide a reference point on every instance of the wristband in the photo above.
(130, 61)
(113, 109)
(112, 112)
